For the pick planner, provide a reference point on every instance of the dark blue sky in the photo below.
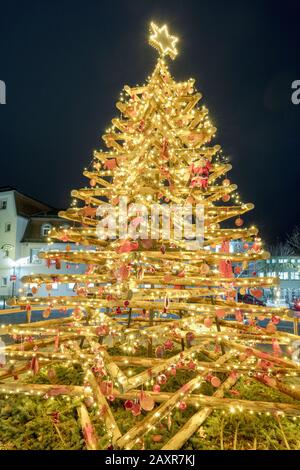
(65, 62)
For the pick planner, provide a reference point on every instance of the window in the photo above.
(8, 227)
(71, 285)
(284, 276)
(45, 229)
(3, 204)
(4, 282)
(54, 285)
(34, 259)
(295, 276)
(273, 261)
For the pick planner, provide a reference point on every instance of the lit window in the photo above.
(8, 227)
(3, 204)
(284, 276)
(295, 276)
(280, 261)
(45, 229)
(71, 285)
(34, 284)
(273, 260)
(54, 285)
(4, 282)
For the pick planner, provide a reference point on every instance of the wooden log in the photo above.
(111, 425)
(13, 371)
(6, 329)
(290, 390)
(41, 389)
(128, 440)
(232, 404)
(89, 433)
(28, 345)
(262, 355)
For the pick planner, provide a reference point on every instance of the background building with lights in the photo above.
(24, 225)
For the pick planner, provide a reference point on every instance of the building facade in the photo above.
(24, 225)
(287, 268)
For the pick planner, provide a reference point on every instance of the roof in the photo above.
(27, 206)
(33, 232)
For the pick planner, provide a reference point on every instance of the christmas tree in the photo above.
(158, 323)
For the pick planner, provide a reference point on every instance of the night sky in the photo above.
(65, 62)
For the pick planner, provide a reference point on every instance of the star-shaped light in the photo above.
(163, 41)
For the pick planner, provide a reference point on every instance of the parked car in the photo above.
(250, 299)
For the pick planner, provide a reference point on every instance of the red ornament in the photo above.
(239, 222)
(159, 351)
(226, 198)
(192, 365)
(237, 270)
(161, 379)
(46, 312)
(182, 406)
(256, 293)
(128, 404)
(220, 313)
(136, 409)
(215, 381)
(169, 345)
(207, 322)
(156, 388)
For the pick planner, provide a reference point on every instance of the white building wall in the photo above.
(19, 262)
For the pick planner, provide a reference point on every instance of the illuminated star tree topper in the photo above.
(163, 41)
